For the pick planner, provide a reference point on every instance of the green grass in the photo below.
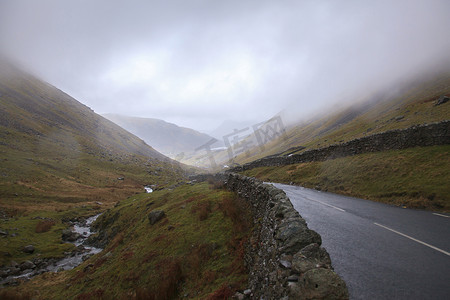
(34, 180)
(47, 244)
(416, 177)
(197, 249)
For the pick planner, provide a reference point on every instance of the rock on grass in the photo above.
(155, 216)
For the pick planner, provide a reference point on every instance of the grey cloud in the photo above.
(217, 60)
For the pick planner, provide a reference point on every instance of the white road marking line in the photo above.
(415, 240)
(332, 206)
(327, 204)
(441, 215)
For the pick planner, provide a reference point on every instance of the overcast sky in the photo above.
(199, 62)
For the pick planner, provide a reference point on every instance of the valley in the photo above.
(56, 170)
(211, 150)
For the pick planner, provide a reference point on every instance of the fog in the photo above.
(198, 63)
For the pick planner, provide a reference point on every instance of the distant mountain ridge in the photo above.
(168, 138)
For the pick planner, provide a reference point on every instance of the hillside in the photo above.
(414, 177)
(170, 139)
(59, 160)
(52, 145)
(412, 104)
(194, 252)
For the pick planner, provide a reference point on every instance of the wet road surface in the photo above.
(381, 251)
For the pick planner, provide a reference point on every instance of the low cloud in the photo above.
(201, 62)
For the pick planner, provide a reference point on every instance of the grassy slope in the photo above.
(197, 250)
(373, 114)
(54, 149)
(58, 158)
(416, 177)
(377, 114)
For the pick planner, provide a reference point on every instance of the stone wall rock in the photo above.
(284, 256)
(416, 136)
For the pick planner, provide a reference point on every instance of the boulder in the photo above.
(13, 264)
(155, 216)
(28, 249)
(27, 265)
(14, 271)
(69, 235)
(441, 100)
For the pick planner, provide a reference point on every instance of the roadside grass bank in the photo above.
(415, 178)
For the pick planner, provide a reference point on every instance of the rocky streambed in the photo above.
(78, 234)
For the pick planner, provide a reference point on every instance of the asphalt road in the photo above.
(381, 251)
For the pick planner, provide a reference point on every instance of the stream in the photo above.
(82, 230)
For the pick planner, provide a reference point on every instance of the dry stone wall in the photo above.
(423, 135)
(284, 256)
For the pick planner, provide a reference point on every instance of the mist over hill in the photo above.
(228, 126)
(40, 110)
(54, 147)
(402, 106)
(168, 138)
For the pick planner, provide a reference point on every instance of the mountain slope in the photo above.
(413, 105)
(55, 149)
(166, 137)
(415, 177)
